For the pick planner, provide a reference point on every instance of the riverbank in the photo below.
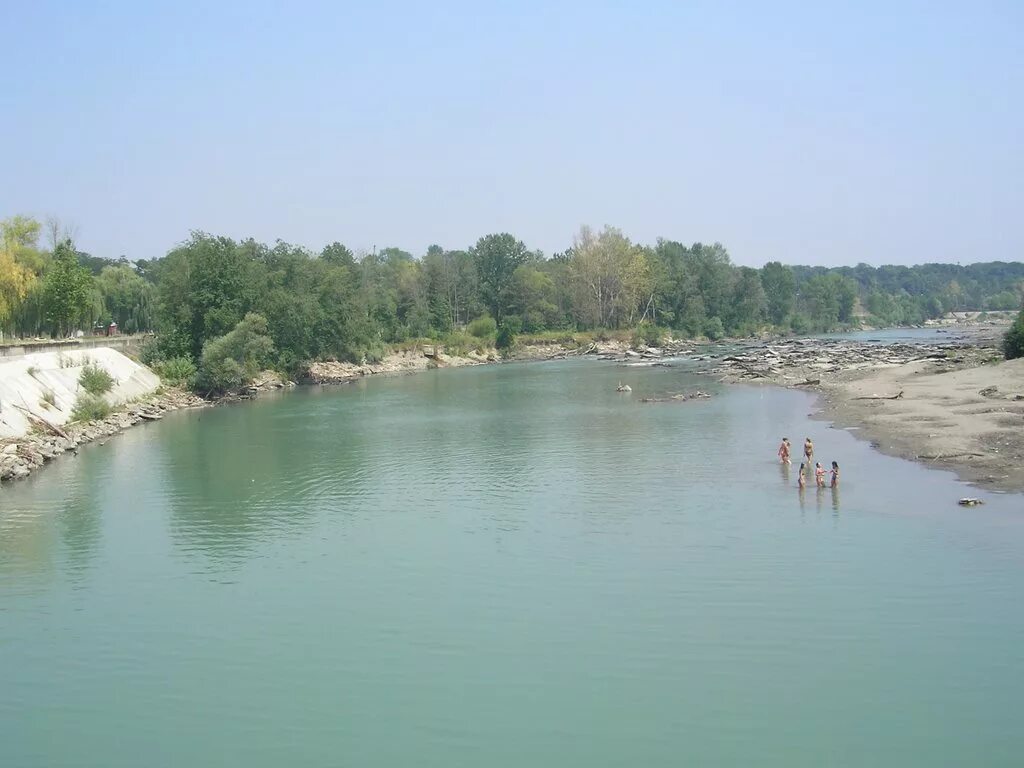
(969, 421)
(950, 404)
(21, 456)
(954, 405)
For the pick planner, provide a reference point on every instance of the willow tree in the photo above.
(18, 238)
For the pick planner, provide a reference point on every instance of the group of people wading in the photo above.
(805, 465)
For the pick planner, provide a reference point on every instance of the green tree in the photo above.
(207, 285)
(127, 299)
(496, 258)
(66, 290)
(779, 290)
(232, 360)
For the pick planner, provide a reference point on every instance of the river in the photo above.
(505, 566)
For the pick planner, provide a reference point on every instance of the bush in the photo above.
(800, 324)
(507, 335)
(89, 408)
(166, 346)
(648, 334)
(458, 343)
(482, 327)
(178, 371)
(231, 360)
(95, 380)
(1013, 341)
(48, 400)
(713, 328)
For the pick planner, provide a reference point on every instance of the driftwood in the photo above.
(53, 429)
(897, 396)
(808, 383)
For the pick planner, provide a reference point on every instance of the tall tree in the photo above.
(18, 238)
(779, 291)
(497, 257)
(66, 291)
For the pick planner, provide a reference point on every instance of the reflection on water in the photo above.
(512, 565)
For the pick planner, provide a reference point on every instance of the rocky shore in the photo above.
(19, 457)
(951, 404)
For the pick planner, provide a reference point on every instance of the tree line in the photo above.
(338, 304)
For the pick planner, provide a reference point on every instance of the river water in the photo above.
(505, 566)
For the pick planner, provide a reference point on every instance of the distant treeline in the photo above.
(337, 304)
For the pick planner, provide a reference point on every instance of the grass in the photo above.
(89, 408)
(95, 380)
(32, 371)
(48, 400)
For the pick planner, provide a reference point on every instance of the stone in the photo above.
(10, 449)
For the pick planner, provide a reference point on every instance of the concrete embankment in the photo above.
(41, 388)
(37, 397)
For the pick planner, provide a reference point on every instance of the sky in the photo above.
(811, 133)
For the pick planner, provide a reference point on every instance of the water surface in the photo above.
(505, 566)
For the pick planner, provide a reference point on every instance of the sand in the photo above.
(942, 419)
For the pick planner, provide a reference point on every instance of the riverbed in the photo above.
(505, 565)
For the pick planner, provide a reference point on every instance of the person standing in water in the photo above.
(835, 474)
(801, 479)
(784, 451)
(819, 474)
(808, 451)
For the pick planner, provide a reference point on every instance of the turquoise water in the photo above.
(505, 566)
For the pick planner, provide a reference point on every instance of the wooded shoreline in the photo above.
(878, 389)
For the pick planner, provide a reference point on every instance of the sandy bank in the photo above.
(942, 417)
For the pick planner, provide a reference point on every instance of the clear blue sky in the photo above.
(815, 132)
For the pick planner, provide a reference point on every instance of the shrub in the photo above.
(89, 408)
(178, 371)
(63, 361)
(800, 324)
(648, 334)
(32, 371)
(95, 380)
(506, 337)
(482, 327)
(48, 400)
(713, 328)
(231, 360)
(1013, 341)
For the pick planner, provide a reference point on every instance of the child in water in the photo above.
(819, 474)
(784, 451)
(801, 480)
(835, 474)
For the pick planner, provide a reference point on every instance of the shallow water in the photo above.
(504, 566)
